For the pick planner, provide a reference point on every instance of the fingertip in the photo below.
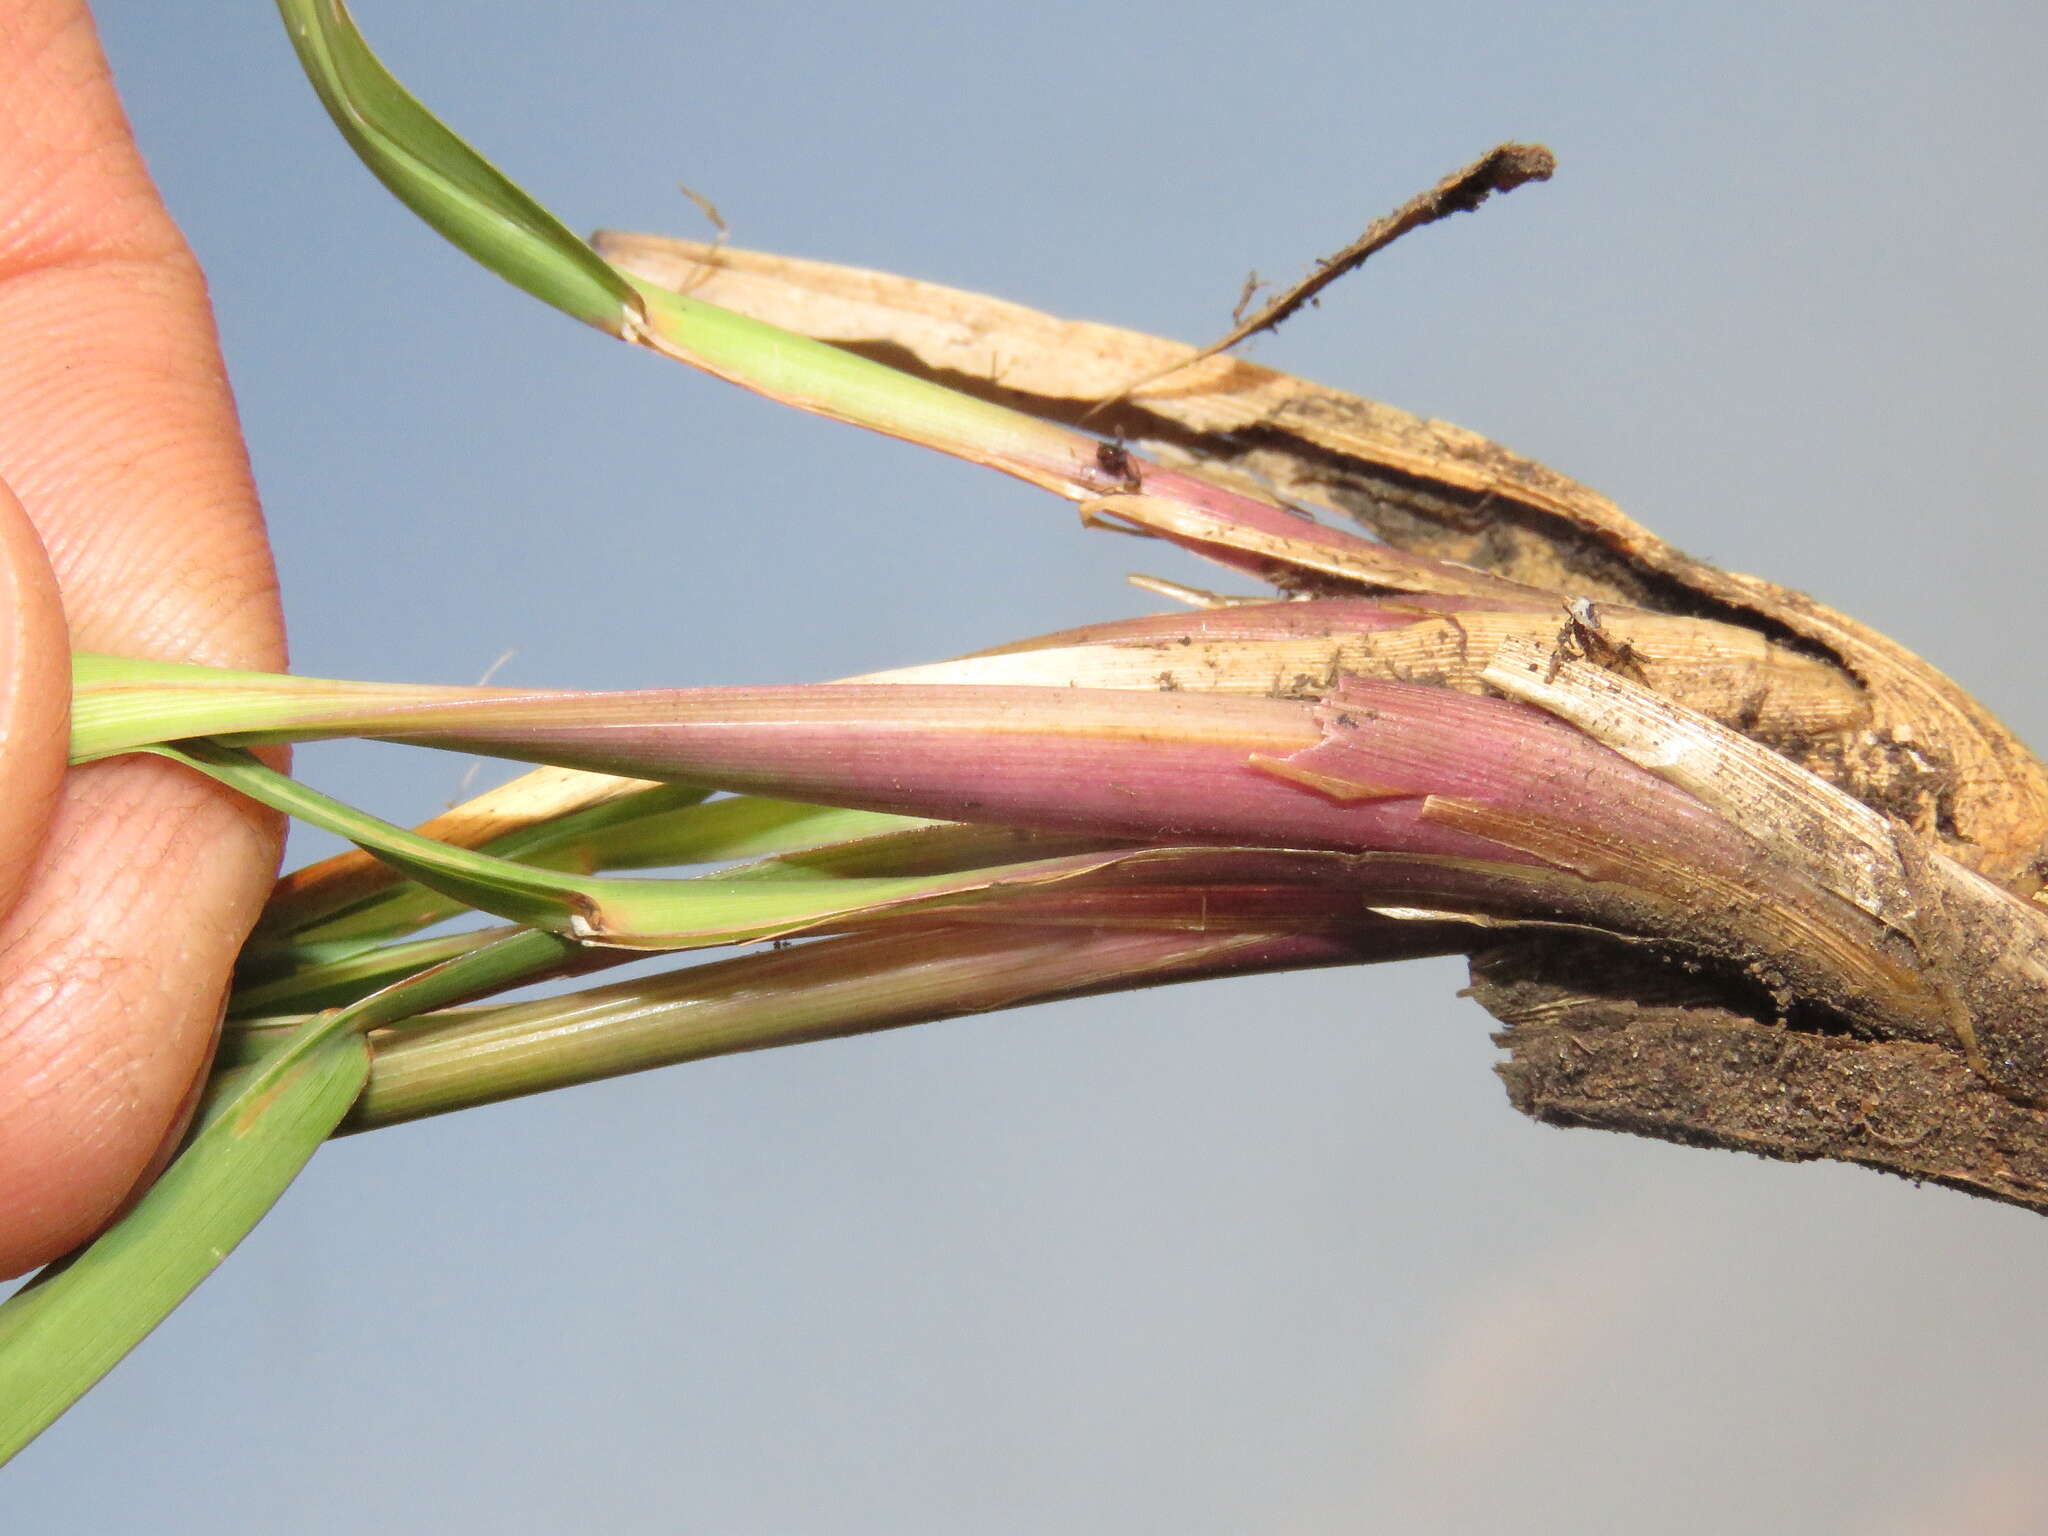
(35, 696)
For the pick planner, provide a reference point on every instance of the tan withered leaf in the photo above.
(1919, 748)
(1728, 674)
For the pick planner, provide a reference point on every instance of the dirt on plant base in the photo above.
(1615, 1037)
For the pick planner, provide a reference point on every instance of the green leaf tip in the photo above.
(442, 179)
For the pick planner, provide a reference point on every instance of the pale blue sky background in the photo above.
(1271, 1256)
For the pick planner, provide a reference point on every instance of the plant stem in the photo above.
(818, 991)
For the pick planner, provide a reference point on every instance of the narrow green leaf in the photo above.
(427, 974)
(624, 913)
(468, 200)
(71, 1326)
(537, 898)
(305, 980)
(120, 704)
(446, 182)
(441, 178)
(260, 1124)
(815, 376)
(645, 831)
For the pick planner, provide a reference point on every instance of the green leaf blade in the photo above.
(261, 1124)
(440, 177)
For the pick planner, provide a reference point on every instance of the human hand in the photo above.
(127, 886)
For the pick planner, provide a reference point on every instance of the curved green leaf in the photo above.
(447, 183)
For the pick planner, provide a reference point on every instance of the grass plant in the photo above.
(1394, 751)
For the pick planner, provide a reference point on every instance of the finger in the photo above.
(118, 434)
(35, 695)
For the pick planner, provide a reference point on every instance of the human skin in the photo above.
(128, 524)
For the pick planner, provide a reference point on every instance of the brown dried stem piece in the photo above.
(1500, 169)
